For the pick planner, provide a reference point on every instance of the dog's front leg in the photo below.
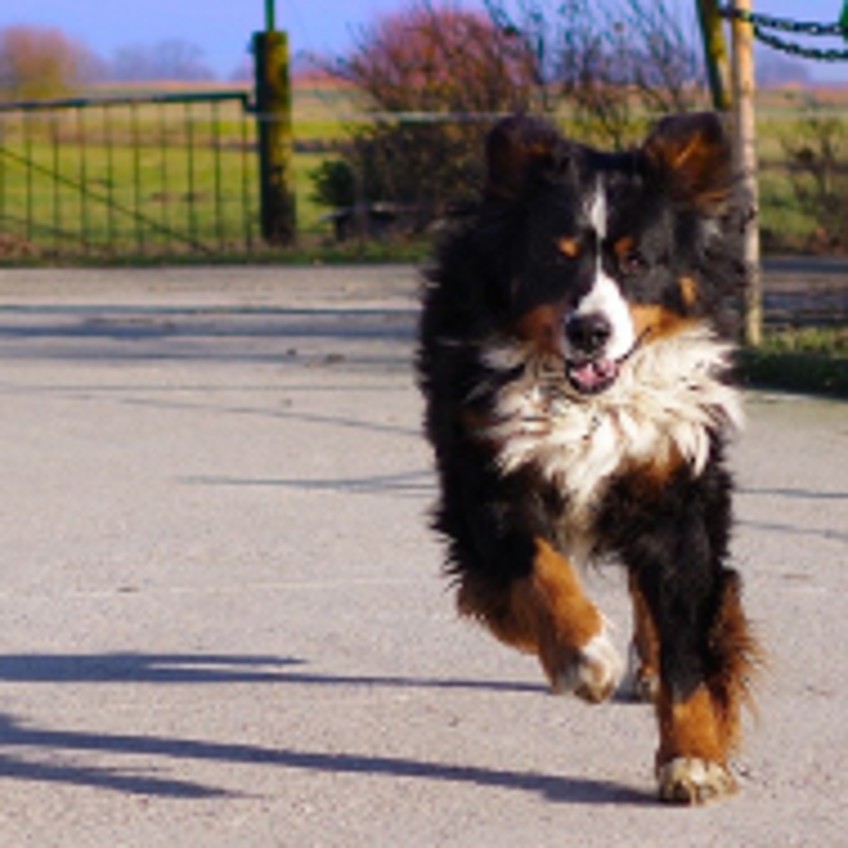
(705, 657)
(547, 612)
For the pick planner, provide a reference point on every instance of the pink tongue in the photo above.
(591, 375)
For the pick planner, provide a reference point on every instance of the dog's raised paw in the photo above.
(691, 780)
(595, 671)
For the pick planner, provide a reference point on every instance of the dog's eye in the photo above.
(632, 262)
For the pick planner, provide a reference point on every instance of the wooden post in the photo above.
(715, 53)
(274, 127)
(745, 154)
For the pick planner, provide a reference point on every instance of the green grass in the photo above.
(157, 179)
(153, 199)
(811, 360)
(784, 226)
(211, 197)
(828, 342)
(131, 199)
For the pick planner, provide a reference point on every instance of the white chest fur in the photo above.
(667, 400)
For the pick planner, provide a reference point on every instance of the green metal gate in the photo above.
(161, 175)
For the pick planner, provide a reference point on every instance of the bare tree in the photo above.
(440, 58)
(616, 63)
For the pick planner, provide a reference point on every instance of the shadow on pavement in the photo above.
(207, 669)
(796, 494)
(16, 735)
(406, 483)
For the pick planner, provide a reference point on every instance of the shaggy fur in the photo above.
(577, 399)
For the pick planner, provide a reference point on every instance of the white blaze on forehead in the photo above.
(598, 210)
(605, 297)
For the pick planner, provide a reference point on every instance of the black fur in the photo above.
(671, 533)
(674, 539)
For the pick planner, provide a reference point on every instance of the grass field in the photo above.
(179, 178)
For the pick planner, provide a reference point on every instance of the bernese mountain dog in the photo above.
(575, 372)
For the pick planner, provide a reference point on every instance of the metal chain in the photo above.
(782, 24)
(832, 55)
(761, 22)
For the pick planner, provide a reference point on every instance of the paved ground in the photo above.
(222, 620)
(805, 290)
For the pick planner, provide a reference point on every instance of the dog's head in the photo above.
(605, 252)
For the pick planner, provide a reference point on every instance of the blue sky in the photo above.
(222, 27)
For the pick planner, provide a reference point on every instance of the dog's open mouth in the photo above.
(593, 376)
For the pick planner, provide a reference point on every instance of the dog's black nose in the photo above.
(588, 333)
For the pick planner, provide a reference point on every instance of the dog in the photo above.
(575, 369)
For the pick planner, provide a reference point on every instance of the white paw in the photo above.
(594, 672)
(691, 780)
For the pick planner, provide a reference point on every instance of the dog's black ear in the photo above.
(692, 153)
(517, 148)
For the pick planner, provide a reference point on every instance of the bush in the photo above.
(334, 183)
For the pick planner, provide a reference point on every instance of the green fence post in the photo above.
(274, 126)
(715, 53)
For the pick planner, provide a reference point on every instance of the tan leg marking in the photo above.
(694, 743)
(691, 728)
(548, 613)
(698, 735)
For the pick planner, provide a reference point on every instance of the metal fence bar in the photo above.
(139, 232)
(27, 127)
(57, 198)
(216, 148)
(110, 177)
(2, 171)
(190, 208)
(82, 146)
(125, 100)
(164, 195)
(245, 189)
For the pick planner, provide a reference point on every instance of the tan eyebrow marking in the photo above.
(688, 291)
(624, 246)
(569, 247)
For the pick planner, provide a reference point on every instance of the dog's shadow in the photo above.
(16, 736)
(22, 745)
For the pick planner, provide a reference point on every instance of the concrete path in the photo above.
(222, 617)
